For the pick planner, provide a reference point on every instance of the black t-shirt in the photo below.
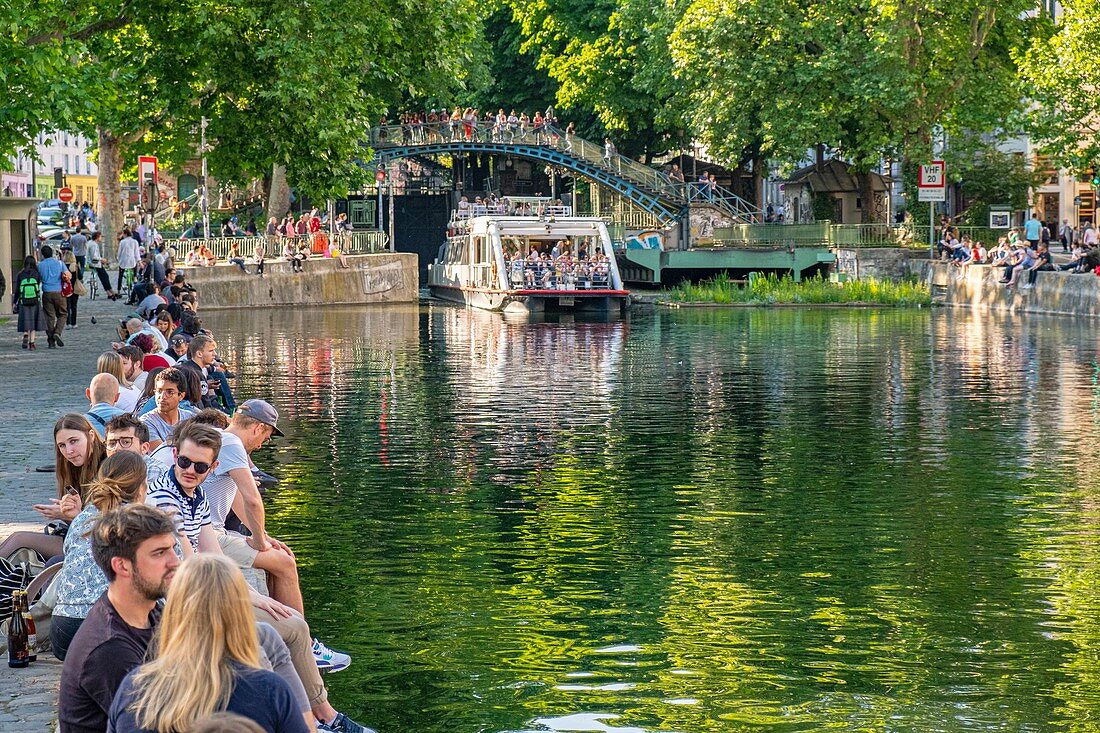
(100, 656)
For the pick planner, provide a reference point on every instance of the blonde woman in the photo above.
(110, 362)
(80, 583)
(207, 659)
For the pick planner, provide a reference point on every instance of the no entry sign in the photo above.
(65, 194)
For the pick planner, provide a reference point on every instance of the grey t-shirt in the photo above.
(158, 428)
(80, 245)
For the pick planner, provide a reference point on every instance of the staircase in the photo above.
(669, 200)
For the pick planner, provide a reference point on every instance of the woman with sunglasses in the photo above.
(80, 583)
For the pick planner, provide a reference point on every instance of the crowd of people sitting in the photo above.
(1023, 251)
(556, 268)
(157, 512)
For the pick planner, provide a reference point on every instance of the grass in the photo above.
(772, 290)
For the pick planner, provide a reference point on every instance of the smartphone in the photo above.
(71, 491)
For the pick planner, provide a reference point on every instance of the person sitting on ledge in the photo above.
(290, 254)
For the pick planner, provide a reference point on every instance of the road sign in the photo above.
(147, 170)
(65, 194)
(932, 185)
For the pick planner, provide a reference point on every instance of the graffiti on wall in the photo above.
(647, 239)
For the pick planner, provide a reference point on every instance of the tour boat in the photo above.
(534, 260)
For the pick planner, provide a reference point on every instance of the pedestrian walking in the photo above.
(54, 276)
(27, 301)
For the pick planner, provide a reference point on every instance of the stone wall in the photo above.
(978, 288)
(881, 263)
(377, 278)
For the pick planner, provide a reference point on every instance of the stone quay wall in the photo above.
(389, 277)
(978, 288)
(881, 263)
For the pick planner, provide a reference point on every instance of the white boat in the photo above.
(528, 263)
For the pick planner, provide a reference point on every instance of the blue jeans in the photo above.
(229, 405)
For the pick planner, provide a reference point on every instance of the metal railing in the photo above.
(352, 243)
(390, 136)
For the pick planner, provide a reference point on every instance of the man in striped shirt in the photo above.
(178, 490)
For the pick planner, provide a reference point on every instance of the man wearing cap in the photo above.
(231, 485)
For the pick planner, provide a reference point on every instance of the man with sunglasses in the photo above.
(232, 486)
(178, 490)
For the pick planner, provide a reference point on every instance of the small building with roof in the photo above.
(834, 181)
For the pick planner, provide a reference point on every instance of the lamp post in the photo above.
(204, 205)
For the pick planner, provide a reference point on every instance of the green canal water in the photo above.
(712, 520)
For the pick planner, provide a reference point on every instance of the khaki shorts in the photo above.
(237, 549)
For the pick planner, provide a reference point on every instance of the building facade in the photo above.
(64, 150)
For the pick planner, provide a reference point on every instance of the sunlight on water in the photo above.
(702, 521)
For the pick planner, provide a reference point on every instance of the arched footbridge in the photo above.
(649, 189)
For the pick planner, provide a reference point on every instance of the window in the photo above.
(65, 165)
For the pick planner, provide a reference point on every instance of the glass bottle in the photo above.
(17, 636)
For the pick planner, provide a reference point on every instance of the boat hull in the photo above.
(539, 301)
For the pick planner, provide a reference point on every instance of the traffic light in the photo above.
(1094, 177)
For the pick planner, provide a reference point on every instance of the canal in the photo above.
(705, 520)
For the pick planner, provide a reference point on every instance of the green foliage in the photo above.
(868, 78)
(821, 205)
(610, 59)
(1061, 75)
(770, 289)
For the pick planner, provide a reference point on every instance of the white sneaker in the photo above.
(329, 660)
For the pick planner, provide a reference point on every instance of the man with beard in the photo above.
(135, 547)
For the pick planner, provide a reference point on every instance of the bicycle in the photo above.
(93, 284)
(128, 282)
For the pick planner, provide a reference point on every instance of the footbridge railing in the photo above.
(576, 153)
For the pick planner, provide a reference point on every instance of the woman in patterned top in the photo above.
(80, 583)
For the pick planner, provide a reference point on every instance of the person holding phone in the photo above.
(78, 451)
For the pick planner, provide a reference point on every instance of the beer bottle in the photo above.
(17, 637)
(32, 632)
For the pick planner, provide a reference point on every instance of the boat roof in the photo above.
(535, 226)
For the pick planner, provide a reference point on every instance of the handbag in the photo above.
(79, 287)
(66, 288)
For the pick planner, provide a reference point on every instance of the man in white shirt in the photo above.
(132, 358)
(128, 256)
(98, 262)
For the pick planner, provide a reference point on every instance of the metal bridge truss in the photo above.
(651, 190)
(664, 210)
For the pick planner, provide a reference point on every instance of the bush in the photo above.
(770, 289)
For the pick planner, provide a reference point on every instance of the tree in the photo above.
(291, 84)
(1061, 76)
(871, 79)
(609, 58)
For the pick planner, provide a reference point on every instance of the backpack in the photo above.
(29, 290)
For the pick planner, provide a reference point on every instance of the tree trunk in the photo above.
(109, 208)
(278, 196)
(867, 198)
(758, 181)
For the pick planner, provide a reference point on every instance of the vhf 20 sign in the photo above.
(932, 185)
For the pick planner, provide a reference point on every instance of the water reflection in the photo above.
(693, 521)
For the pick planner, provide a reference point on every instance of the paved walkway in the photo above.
(38, 387)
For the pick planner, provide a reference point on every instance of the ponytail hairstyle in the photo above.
(66, 473)
(121, 480)
(110, 362)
